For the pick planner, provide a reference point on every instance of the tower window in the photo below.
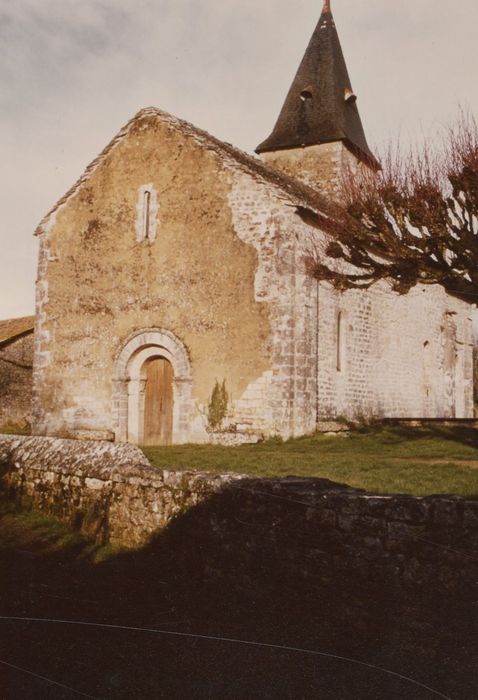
(306, 95)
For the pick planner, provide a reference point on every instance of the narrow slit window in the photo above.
(146, 214)
(340, 340)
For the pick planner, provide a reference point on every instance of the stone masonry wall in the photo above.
(246, 312)
(283, 401)
(16, 368)
(402, 356)
(241, 312)
(99, 285)
(321, 167)
(111, 493)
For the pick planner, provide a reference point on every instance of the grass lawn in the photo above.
(26, 529)
(32, 532)
(382, 460)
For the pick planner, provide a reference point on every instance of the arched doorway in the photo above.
(152, 396)
(158, 402)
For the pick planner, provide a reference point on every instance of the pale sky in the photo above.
(73, 73)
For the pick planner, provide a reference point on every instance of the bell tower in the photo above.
(319, 133)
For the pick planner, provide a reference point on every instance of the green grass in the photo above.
(25, 528)
(43, 535)
(382, 460)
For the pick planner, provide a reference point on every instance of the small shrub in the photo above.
(217, 406)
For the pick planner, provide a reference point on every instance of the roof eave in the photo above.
(364, 156)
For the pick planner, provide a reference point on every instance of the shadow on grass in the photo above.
(251, 565)
(459, 434)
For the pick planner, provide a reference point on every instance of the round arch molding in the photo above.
(129, 384)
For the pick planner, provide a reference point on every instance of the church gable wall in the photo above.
(217, 274)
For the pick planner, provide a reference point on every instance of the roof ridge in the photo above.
(236, 157)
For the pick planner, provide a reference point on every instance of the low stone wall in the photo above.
(310, 527)
(108, 491)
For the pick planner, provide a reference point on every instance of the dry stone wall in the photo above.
(311, 527)
(109, 492)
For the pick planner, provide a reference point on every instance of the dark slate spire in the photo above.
(321, 106)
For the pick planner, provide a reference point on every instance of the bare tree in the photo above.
(414, 221)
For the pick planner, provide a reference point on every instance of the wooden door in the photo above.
(158, 403)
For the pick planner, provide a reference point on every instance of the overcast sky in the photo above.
(72, 73)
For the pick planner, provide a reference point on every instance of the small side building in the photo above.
(16, 369)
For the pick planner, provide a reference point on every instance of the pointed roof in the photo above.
(321, 106)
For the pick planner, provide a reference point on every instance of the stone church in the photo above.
(176, 264)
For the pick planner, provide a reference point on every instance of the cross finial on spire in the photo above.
(327, 6)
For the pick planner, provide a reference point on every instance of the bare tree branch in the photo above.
(415, 221)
